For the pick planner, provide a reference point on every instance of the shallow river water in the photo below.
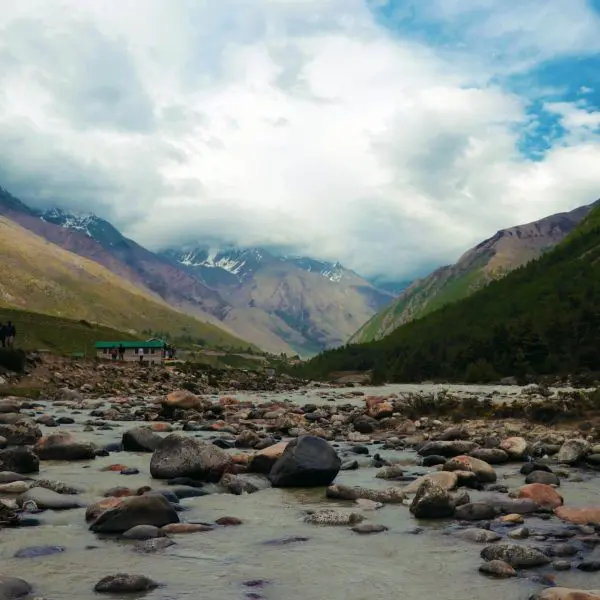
(333, 562)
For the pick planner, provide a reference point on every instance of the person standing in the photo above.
(2, 335)
(121, 352)
(140, 353)
(11, 333)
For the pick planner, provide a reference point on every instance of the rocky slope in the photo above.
(40, 276)
(492, 259)
(310, 304)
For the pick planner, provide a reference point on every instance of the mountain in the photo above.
(310, 304)
(542, 318)
(300, 305)
(41, 277)
(492, 259)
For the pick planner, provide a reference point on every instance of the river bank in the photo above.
(299, 540)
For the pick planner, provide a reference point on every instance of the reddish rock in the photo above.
(228, 401)
(228, 521)
(585, 515)
(381, 411)
(175, 528)
(95, 510)
(184, 400)
(544, 495)
(161, 427)
(117, 467)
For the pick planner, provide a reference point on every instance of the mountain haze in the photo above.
(492, 259)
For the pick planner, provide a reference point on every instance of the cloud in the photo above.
(385, 135)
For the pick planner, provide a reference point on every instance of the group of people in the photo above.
(118, 352)
(8, 332)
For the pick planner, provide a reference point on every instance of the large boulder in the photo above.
(515, 447)
(475, 511)
(516, 555)
(263, 460)
(484, 472)
(149, 509)
(307, 461)
(560, 593)
(542, 477)
(63, 446)
(511, 506)
(572, 451)
(544, 495)
(19, 459)
(432, 501)
(23, 432)
(493, 456)
(141, 439)
(180, 456)
(587, 515)
(12, 588)
(447, 449)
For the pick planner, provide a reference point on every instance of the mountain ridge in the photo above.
(491, 259)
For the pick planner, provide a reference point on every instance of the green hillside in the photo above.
(40, 277)
(543, 318)
(61, 336)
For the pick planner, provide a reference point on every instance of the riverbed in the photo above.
(413, 560)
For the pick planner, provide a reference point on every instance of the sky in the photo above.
(390, 135)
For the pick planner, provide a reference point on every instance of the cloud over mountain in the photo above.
(388, 135)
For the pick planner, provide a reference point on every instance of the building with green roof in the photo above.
(150, 351)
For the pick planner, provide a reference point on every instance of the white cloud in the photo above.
(289, 122)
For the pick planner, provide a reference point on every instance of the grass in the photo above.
(37, 331)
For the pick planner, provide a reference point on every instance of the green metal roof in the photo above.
(153, 344)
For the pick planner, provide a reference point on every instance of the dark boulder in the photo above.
(432, 501)
(12, 588)
(63, 446)
(23, 432)
(123, 583)
(476, 511)
(307, 461)
(447, 449)
(515, 555)
(141, 439)
(149, 509)
(19, 459)
(542, 477)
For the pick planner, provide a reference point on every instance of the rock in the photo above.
(572, 451)
(184, 400)
(432, 501)
(307, 461)
(513, 519)
(228, 521)
(20, 460)
(476, 511)
(447, 449)
(484, 472)
(446, 479)
(542, 494)
(135, 510)
(520, 506)
(49, 500)
(589, 566)
(349, 465)
(364, 424)
(263, 461)
(515, 447)
(11, 477)
(93, 511)
(123, 583)
(175, 528)
(16, 487)
(453, 433)
(179, 456)
(492, 456)
(330, 516)
(381, 410)
(12, 588)
(542, 477)
(365, 504)
(143, 532)
(23, 432)
(368, 528)
(479, 536)
(498, 569)
(35, 551)
(390, 495)
(562, 549)
(521, 533)
(245, 483)
(390, 473)
(141, 439)
(558, 593)
(589, 515)
(63, 446)
(515, 555)
(561, 565)
(153, 545)
(433, 460)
